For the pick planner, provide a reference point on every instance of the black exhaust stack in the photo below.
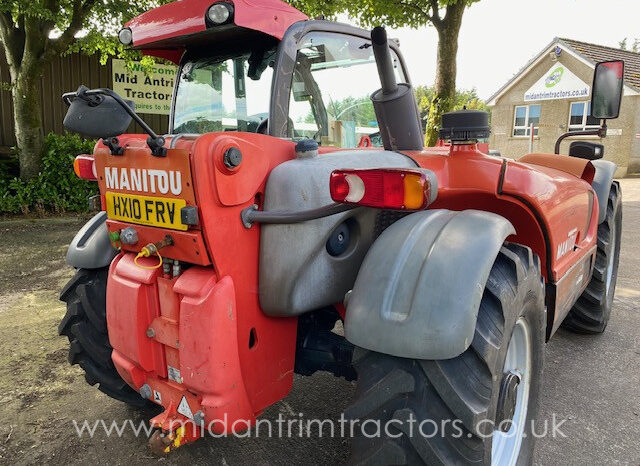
(395, 103)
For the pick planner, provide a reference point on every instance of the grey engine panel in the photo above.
(602, 184)
(419, 289)
(91, 249)
(297, 274)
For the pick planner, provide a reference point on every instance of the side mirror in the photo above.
(586, 150)
(96, 116)
(608, 84)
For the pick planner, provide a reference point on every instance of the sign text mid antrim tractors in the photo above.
(227, 251)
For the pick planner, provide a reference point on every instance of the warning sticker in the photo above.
(157, 397)
(184, 409)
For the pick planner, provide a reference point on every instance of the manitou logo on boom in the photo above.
(143, 180)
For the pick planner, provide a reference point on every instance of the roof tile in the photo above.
(598, 53)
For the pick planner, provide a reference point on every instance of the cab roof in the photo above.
(167, 31)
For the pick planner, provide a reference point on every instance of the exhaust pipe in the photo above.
(394, 103)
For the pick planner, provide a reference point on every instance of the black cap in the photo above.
(232, 157)
(465, 125)
(306, 145)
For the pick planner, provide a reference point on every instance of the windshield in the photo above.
(333, 79)
(224, 94)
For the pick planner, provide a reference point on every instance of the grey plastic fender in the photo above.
(602, 184)
(418, 291)
(91, 249)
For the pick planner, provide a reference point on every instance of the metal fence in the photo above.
(62, 75)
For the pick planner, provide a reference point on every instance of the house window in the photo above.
(525, 116)
(580, 117)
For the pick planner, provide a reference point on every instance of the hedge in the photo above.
(56, 189)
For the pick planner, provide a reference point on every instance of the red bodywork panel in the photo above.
(567, 205)
(522, 193)
(152, 31)
(554, 212)
(207, 323)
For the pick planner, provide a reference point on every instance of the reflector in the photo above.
(85, 167)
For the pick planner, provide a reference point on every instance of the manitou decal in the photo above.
(143, 180)
(568, 244)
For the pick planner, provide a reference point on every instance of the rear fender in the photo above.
(91, 248)
(418, 291)
(602, 184)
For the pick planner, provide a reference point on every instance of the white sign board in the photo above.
(150, 92)
(558, 83)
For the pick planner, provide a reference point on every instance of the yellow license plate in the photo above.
(146, 210)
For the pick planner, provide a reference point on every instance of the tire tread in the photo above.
(459, 388)
(590, 314)
(84, 324)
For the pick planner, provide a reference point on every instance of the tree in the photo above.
(444, 15)
(32, 33)
(635, 47)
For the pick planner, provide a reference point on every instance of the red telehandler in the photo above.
(227, 251)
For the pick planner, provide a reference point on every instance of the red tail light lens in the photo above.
(399, 189)
(85, 167)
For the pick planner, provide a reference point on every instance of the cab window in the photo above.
(333, 80)
(224, 95)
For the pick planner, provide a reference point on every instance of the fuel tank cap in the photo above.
(306, 148)
(465, 125)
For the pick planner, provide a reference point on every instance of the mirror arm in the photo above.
(154, 141)
(114, 145)
(600, 132)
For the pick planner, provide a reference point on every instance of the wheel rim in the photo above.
(506, 445)
(612, 258)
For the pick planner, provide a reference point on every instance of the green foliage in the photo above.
(313, 8)
(58, 27)
(412, 13)
(56, 188)
(34, 32)
(424, 97)
(358, 109)
(100, 21)
(635, 47)
(464, 99)
(108, 47)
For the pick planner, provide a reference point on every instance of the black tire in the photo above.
(591, 313)
(85, 324)
(464, 389)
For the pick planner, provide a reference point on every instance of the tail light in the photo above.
(85, 167)
(399, 189)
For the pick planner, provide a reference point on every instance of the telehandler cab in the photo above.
(227, 251)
